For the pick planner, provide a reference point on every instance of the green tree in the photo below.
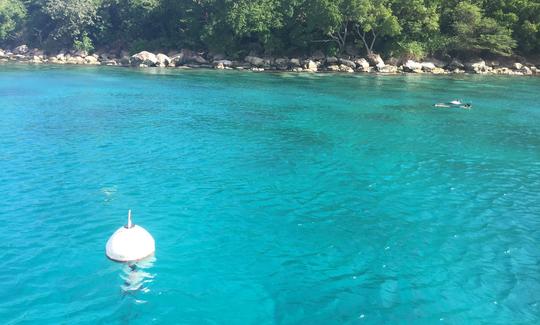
(374, 19)
(420, 23)
(474, 32)
(73, 20)
(12, 13)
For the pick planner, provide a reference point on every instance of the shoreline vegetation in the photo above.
(416, 36)
(372, 63)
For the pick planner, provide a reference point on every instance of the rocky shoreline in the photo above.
(318, 62)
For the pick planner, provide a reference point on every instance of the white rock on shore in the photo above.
(190, 59)
(162, 60)
(412, 66)
(144, 59)
(362, 65)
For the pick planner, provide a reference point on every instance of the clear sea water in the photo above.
(273, 198)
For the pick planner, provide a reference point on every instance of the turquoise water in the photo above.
(273, 198)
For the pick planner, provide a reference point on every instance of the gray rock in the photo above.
(144, 58)
(455, 64)
(295, 63)
(198, 59)
(348, 63)
(21, 49)
(125, 61)
(282, 63)
(331, 60)
(254, 61)
(517, 66)
(177, 60)
(224, 63)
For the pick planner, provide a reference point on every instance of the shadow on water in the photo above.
(137, 278)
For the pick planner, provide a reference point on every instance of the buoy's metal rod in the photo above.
(129, 219)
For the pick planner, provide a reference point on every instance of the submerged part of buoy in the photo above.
(130, 243)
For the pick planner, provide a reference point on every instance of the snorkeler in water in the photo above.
(454, 103)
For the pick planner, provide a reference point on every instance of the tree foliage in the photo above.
(237, 27)
(12, 12)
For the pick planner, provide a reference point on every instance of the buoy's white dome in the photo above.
(130, 243)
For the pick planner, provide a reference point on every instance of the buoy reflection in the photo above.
(136, 276)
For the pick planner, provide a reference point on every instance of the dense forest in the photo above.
(413, 28)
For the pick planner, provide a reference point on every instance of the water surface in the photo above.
(273, 198)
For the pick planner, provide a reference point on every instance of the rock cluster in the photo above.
(316, 63)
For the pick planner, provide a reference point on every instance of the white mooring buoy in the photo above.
(130, 243)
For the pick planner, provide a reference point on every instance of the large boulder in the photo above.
(281, 63)
(344, 68)
(125, 61)
(75, 60)
(412, 66)
(476, 66)
(428, 66)
(254, 61)
(177, 60)
(91, 60)
(375, 60)
(198, 59)
(438, 63)
(333, 68)
(438, 70)
(311, 66)
(223, 63)
(362, 65)
(526, 70)
(295, 63)
(388, 69)
(162, 60)
(186, 57)
(348, 63)
(21, 49)
(517, 66)
(455, 64)
(331, 60)
(144, 58)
